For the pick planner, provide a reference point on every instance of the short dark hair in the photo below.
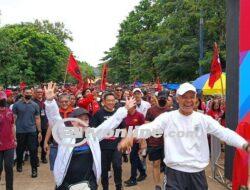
(84, 91)
(27, 88)
(118, 86)
(108, 94)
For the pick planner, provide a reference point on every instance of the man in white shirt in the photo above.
(185, 141)
(141, 105)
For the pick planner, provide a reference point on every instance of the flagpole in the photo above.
(65, 75)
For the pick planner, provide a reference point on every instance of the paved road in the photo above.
(23, 181)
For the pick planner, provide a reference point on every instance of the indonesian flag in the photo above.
(73, 68)
(159, 86)
(104, 77)
(241, 159)
(215, 71)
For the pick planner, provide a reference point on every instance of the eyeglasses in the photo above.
(118, 90)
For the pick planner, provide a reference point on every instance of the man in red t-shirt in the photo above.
(7, 141)
(155, 146)
(135, 118)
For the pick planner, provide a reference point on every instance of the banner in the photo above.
(244, 62)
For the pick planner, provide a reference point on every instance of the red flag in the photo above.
(215, 72)
(104, 77)
(73, 68)
(241, 159)
(159, 86)
(22, 85)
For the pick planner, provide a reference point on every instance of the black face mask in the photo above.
(3, 103)
(27, 97)
(162, 102)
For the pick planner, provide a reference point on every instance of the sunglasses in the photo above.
(118, 90)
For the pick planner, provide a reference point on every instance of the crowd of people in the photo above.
(28, 115)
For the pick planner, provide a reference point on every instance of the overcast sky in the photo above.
(94, 23)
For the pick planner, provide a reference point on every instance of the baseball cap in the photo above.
(3, 95)
(163, 94)
(78, 112)
(137, 90)
(185, 87)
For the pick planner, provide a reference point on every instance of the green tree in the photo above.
(31, 55)
(57, 28)
(161, 38)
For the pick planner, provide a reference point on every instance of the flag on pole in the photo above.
(215, 72)
(73, 68)
(104, 77)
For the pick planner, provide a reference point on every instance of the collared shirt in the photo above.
(26, 113)
(143, 107)
(44, 120)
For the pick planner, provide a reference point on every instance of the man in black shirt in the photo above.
(110, 154)
(44, 121)
(118, 96)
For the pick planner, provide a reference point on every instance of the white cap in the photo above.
(185, 87)
(137, 89)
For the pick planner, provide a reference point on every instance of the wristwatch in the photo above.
(246, 146)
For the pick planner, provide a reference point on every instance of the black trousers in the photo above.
(28, 140)
(136, 163)
(7, 156)
(114, 157)
(43, 153)
(178, 180)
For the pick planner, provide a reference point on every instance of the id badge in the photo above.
(42, 112)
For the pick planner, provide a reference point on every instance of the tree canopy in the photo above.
(161, 38)
(35, 52)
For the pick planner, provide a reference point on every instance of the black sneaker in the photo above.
(19, 169)
(130, 183)
(125, 158)
(44, 161)
(118, 187)
(157, 187)
(141, 177)
(34, 173)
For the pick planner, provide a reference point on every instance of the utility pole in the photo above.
(201, 44)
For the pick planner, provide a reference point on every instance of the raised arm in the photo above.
(115, 120)
(51, 108)
(225, 134)
(153, 128)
